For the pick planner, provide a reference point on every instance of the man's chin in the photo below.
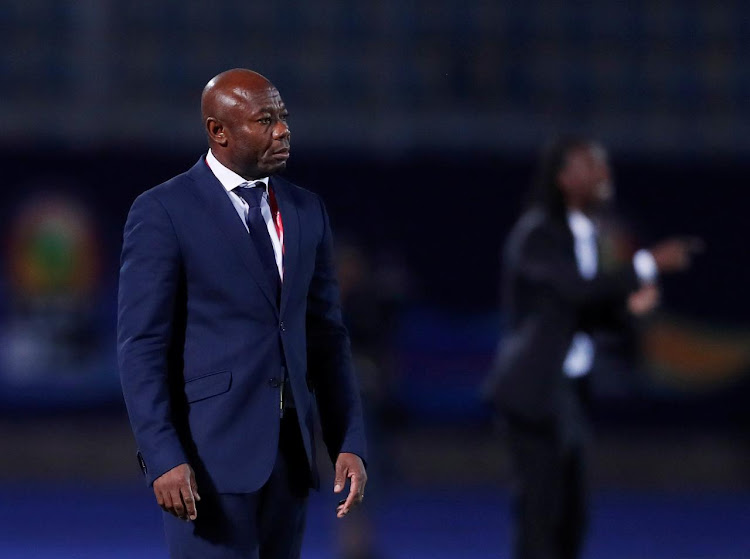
(275, 168)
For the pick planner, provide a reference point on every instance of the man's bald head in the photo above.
(228, 89)
(245, 121)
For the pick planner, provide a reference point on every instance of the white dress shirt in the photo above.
(580, 356)
(231, 180)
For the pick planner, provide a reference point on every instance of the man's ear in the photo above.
(216, 132)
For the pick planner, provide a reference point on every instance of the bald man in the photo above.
(229, 330)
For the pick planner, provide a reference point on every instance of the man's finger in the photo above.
(344, 509)
(361, 492)
(166, 502)
(179, 509)
(160, 500)
(352, 498)
(189, 502)
(340, 480)
(356, 485)
(194, 486)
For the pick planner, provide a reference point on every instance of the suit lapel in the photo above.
(213, 197)
(290, 219)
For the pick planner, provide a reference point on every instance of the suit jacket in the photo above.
(203, 344)
(547, 301)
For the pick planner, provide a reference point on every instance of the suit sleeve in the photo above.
(329, 357)
(544, 262)
(149, 277)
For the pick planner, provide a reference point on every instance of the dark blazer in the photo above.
(547, 301)
(203, 344)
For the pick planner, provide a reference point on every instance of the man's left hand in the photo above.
(350, 466)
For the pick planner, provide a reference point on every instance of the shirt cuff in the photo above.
(645, 266)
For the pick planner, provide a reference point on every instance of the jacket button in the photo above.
(282, 327)
(142, 462)
(274, 382)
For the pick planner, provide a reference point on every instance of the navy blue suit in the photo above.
(203, 344)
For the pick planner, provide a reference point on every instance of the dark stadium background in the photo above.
(419, 123)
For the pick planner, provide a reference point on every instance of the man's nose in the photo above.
(281, 130)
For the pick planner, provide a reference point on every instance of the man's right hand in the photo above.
(177, 493)
(675, 255)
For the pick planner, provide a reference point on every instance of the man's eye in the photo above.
(265, 120)
(284, 116)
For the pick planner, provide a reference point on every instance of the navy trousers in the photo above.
(266, 524)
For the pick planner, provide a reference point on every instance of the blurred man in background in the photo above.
(556, 293)
(229, 325)
(373, 291)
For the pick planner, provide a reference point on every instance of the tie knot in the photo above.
(251, 192)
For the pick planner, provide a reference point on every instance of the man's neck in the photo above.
(228, 178)
(220, 157)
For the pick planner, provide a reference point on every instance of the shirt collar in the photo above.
(581, 225)
(228, 178)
